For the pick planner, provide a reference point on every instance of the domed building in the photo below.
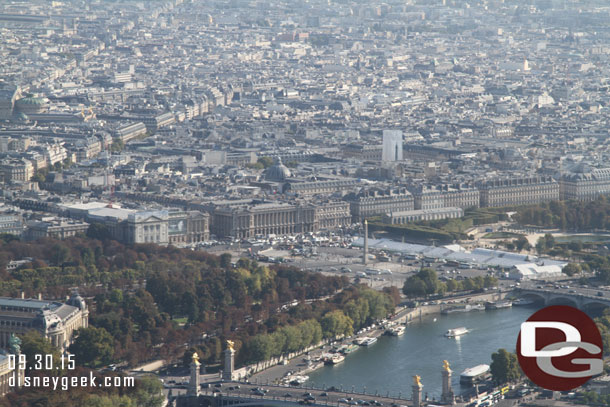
(278, 172)
(31, 105)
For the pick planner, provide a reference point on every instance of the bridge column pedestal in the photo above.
(417, 391)
(227, 373)
(193, 388)
(447, 395)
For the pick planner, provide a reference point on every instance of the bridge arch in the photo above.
(594, 307)
(530, 296)
(563, 300)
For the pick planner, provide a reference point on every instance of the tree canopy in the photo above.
(147, 300)
(504, 367)
(92, 347)
(567, 215)
(426, 282)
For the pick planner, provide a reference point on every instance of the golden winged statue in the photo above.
(417, 380)
(446, 366)
(195, 357)
(230, 345)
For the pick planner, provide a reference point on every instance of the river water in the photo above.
(390, 364)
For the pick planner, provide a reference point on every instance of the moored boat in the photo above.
(298, 380)
(397, 330)
(463, 308)
(498, 305)
(348, 349)
(474, 374)
(522, 302)
(335, 359)
(368, 341)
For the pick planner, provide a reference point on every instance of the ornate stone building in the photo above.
(16, 169)
(160, 227)
(332, 215)
(58, 228)
(321, 187)
(188, 227)
(363, 152)
(147, 227)
(379, 202)
(586, 185)
(445, 196)
(400, 218)
(55, 321)
(518, 191)
(264, 218)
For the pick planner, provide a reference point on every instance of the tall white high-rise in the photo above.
(392, 145)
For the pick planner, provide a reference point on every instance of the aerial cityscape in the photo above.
(282, 203)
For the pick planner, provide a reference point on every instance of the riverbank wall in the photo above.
(247, 371)
(271, 371)
(417, 314)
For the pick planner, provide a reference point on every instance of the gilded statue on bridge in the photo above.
(446, 366)
(230, 345)
(417, 380)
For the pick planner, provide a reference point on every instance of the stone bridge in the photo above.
(588, 300)
(248, 401)
(230, 396)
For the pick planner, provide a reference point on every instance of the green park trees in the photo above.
(603, 324)
(571, 269)
(33, 343)
(262, 163)
(336, 324)
(521, 243)
(504, 367)
(545, 243)
(350, 310)
(148, 392)
(426, 282)
(148, 300)
(569, 215)
(92, 347)
(284, 340)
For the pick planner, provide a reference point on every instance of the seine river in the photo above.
(389, 364)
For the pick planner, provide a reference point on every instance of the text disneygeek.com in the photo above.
(67, 382)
